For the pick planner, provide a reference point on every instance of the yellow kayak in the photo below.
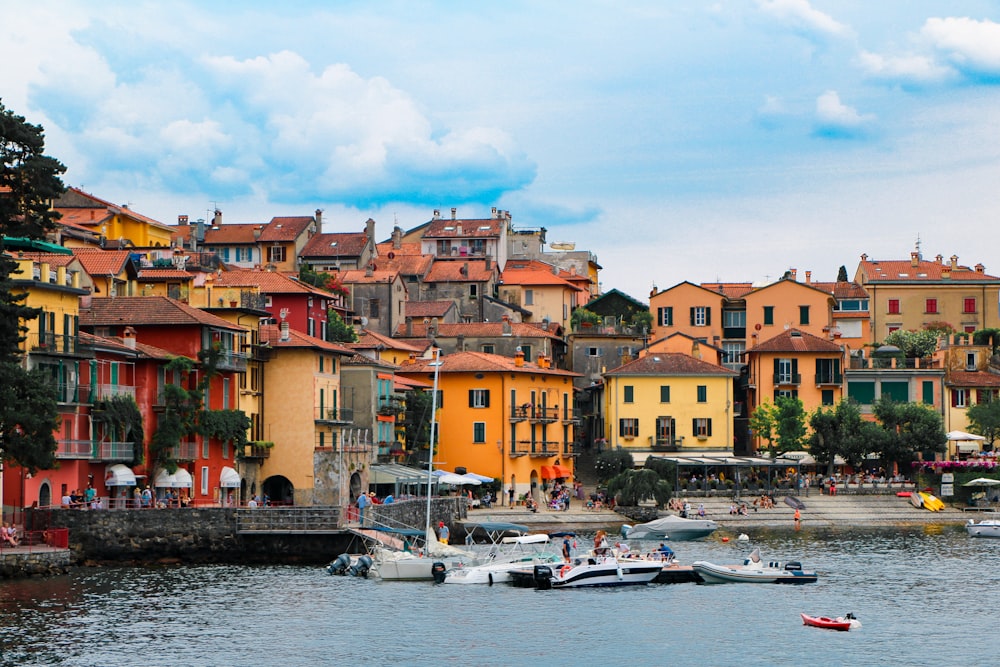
(931, 502)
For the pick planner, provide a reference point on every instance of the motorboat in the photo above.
(983, 528)
(599, 571)
(670, 527)
(391, 564)
(842, 623)
(754, 570)
(522, 551)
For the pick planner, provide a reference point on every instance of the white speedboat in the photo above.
(395, 565)
(983, 528)
(671, 527)
(521, 552)
(591, 571)
(754, 571)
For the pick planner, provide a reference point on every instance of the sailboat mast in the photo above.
(430, 451)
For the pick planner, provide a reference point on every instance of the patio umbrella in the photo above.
(456, 480)
(962, 435)
(983, 481)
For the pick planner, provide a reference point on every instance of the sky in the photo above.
(682, 140)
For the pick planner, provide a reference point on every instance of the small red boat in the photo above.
(840, 623)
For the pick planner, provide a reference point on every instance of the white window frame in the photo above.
(204, 480)
(700, 316)
(479, 397)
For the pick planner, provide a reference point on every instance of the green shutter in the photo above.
(927, 392)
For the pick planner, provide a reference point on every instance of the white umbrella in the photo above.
(982, 481)
(962, 435)
(457, 480)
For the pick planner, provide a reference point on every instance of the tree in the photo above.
(338, 330)
(914, 344)
(631, 487)
(29, 180)
(790, 424)
(581, 316)
(418, 422)
(642, 320)
(911, 428)
(122, 422)
(763, 421)
(179, 417)
(984, 419)
(842, 274)
(613, 462)
(842, 432)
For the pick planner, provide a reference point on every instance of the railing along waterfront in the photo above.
(288, 520)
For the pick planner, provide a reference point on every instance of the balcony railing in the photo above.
(667, 444)
(185, 451)
(830, 378)
(787, 378)
(110, 390)
(115, 451)
(256, 452)
(573, 416)
(534, 413)
(51, 343)
(540, 448)
(231, 361)
(74, 449)
(909, 363)
(335, 415)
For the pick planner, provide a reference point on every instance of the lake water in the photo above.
(925, 595)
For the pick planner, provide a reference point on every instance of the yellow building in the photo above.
(967, 381)
(911, 294)
(545, 292)
(115, 226)
(669, 402)
(502, 417)
(303, 413)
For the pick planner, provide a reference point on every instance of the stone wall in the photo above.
(16, 565)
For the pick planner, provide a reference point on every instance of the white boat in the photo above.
(671, 527)
(754, 571)
(395, 565)
(523, 551)
(983, 528)
(591, 571)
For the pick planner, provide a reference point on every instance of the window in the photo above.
(786, 371)
(479, 398)
(828, 371)
(628, 427)
(225, 393)
(959, 398)
(593, 351)
(488, 348)
(664, 431)
(702, 427)
(701, 316)
(444, 248)
(970, 361)
(768, 314)
(473, 291)
(969, 304)
(204, 480)
(275, 254)
(785, 393)
(629, 393)
(852, 305)
(930, 306)
(529, 297)
(827, 397)
(526, 350)
(664, 393)
(373, 308)
(665, 316)
(311, 327)
(732, 353)
(734, 319)
(702, 393)
(893, 327)
(803, 314)
(927, 392)
(894, 306)
(862, 392)
(478, 432)
(225, 255)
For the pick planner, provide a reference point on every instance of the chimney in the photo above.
(285, 336)
(506, 326)
(454, 211)
(792, 273)
(128, 337)
(809, 275)
(493, 212)
(864, 257)
(489, 263)
(939, 258)
(397, 237)
(370, 230)
(319, 221)
(980, 268)
(409, 326)
(460, 342)
(458, 227)
(432, 330)
(954, 262)
(217, 218)
(914, 259)
(519, 358)
(369, 270)
(437, 215)
(182, 220)
(464, 270)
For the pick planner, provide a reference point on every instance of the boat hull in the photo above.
(672, 528)
(841, 624)
(605, 574)
(738, 574)
(493, 573)
(985, 528)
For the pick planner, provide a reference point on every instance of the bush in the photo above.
(612, 463)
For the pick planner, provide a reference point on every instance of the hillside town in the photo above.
(310, 352)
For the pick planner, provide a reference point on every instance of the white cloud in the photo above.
(910, 69)
(800, 15)
(971, 45)
(836, 118)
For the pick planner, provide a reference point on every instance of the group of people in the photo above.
(8, 535)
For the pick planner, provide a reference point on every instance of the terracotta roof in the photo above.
(99, 262)
(348, 244)
(97, 203)
(117, 343)
(285, 229)
(405, 384)
(408, 248)
(360, 276)
(535, 277)
(456, 271)
(793, 340)
(230, 234)
(369, 340)
(446, 228)
(670, 363)
(681, 334)
(407, 265)
(53, 259)
(268, 282)
(428, 308)
(139, 311)
(480, 330)
(270, 334)
(164, 274)
(690, 284)
(479, 362)
(973, 379)
(903, 271)
(358, 359)
(730, 290)
(87, 218)
(843, 290)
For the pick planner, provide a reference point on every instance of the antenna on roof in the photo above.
(919, 255)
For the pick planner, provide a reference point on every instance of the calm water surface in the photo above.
(924, 595)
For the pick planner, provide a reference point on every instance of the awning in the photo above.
(179, 480)
(556, 472)
(392, 473)
(119, 474)
(229, 478)
(967, 447)
(457, 480)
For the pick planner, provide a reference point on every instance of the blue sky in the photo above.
(677, 140)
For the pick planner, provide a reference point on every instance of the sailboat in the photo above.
(394, 565)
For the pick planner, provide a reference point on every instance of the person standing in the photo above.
(798, 518)
(443, 533)
(566, 550)
(510, 496)
(362, 504)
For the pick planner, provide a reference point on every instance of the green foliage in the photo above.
(914, 343)
(225, 426)
(338, 330)
(842, 432)
(418, 419)
(842, 274)
(790, 424)
(581, 316)
(28, 418)
(613, 462)
(984, 419)
(989, 337)
(763, 423)
(642, 320)
(630, 487)
(322, 280)
(665, 469)
(179, 417)
(910, 428)
(123, 421)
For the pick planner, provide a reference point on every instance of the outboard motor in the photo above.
(360, 569)
(340, 565)
(543, 577)
(626, 529)
(438, 571)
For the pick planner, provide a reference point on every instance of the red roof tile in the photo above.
(446, 228)
(230, 234)
(924, 271)
(99, 262)
(730, 290)
(361, 277)
(164, 274)
(973, 379)
(335, 245)
(428, 308)
(285, 229)
(670, 363)
(270, 334)
(479, 362)
(268, 282)
(139, 311)
(480, 330)
(369, 340)
(455, 271)
(793, 340)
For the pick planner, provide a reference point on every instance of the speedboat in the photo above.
(390, 564)
(671, 527)
(522, 551)
(592, 571)
(843, 623)
(983, 528)
(755, 571)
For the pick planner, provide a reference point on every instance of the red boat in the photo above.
(840, 623)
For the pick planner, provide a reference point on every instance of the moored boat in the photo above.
(842, 623)
(522, 551)
(671, 527)
(598, 571)
(983, 528)
(755, 571)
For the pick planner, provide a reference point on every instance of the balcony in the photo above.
(74, 449)
(574, 416)
(787, 378)
(185, 451)
(334, 416)
(391, 407)
(115, 451)
(830, 378)
(538, 449)
(111, 390)
(51, 343)
(231, 361)
(667, 444)
(252, 451)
